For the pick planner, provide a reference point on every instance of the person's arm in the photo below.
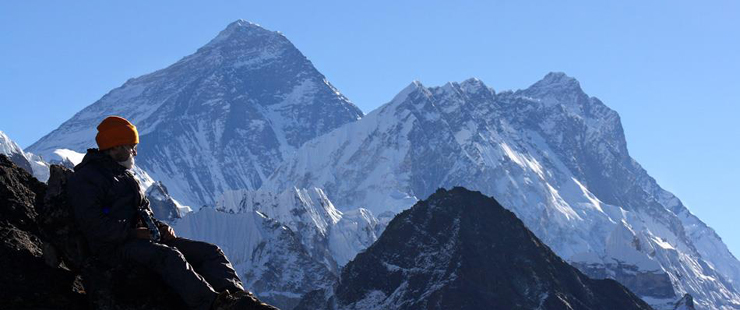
(86, 199)
(165, 230)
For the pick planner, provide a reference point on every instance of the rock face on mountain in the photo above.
(165, 207)
(461, 250)
(220, 119)
(686, 303)
(553, 155)
(283, 245)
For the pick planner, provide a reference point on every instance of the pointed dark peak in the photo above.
(466, 202)
(444, 198)
(475, 254)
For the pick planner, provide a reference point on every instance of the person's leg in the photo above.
(210, 262)
(176, 272)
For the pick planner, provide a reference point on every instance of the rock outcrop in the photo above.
(25, 279)
(43, 260)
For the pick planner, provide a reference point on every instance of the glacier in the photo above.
(283, 245)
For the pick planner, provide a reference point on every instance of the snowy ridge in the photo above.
(34, 164)
(316, 208)
(268, 256)
(220, 119)
(330, 236)
(554, 156)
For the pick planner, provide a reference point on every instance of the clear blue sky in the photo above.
(670, 68)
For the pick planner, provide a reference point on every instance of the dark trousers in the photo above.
(195, 270)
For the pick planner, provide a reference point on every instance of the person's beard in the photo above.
(128, 163)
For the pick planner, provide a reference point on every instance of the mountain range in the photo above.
(292, 180)
(550, 153)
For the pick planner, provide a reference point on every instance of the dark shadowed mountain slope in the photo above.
(462, 250)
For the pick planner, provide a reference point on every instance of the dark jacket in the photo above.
(104, 197)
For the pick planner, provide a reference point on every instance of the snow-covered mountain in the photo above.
(220, 119)
(331, 236)
(28, 161)
(283, 245)
(267, 255)
(461, 250)
(249, 115)
(550, 153)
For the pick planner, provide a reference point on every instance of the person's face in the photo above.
(122, 152)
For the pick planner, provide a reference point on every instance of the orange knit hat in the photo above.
(115, 131)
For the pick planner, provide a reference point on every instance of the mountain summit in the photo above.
(238, 32)
(220, 119)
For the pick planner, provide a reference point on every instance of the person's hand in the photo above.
(167, 232)
(142, 233)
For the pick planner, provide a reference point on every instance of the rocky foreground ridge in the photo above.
(31, 274)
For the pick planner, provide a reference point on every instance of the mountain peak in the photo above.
(474, 85)
(408, 90)
(555, 81)
(249, 97)
(240, 30)
(8, 146)
(240, 23)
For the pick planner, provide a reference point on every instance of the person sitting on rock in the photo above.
(112, 212)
